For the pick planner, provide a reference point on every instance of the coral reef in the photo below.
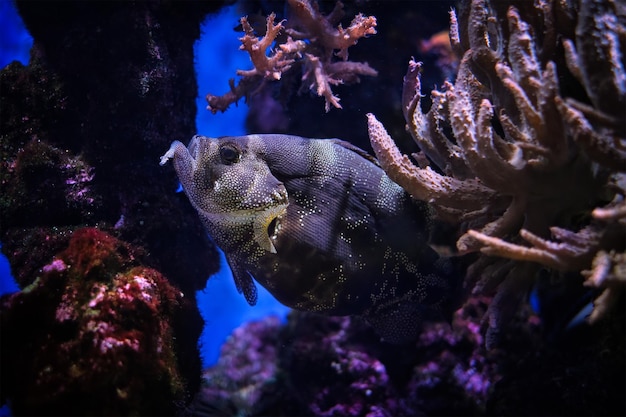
(245, 380)
(523, 151)
(337, 366)
(310, 41)
(97, 329)
(81, 130)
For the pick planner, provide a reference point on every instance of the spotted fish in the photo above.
(319, 225)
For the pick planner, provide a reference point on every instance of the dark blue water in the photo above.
(15, 42)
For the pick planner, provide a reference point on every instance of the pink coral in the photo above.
(312, 42)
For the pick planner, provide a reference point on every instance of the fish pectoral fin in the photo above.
(243, 282)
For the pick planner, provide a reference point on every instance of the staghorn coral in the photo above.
(311, 41)
(526, 146)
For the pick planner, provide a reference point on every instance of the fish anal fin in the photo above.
(243, 282)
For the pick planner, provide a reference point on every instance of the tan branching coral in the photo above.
(312, 42)
(311, 24)
(281, 59)
(526, 151)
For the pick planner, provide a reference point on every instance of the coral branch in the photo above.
(514, 148)
(613, 213)
(608, 271)
(605, 148)
(273, 66)
(314, 25)
(572, 253)
(428, 130)
(498, 247)
(221, 103)
(319, 81)
(444, 193)
(311, 44)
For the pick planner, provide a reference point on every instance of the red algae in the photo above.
(99, 327)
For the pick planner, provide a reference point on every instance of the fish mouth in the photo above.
(262, 216)
(267, 225)
(264, 220)
(272, 228)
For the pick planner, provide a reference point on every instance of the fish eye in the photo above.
(229, 154)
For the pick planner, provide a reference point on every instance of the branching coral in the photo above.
(529, 142)
(311, 41)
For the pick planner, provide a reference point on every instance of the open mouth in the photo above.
(272, 228)
(268, 226)
(264, 221)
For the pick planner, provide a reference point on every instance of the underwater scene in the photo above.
(313, 208)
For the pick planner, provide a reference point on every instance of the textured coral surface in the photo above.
(318, 365)
(92, 323)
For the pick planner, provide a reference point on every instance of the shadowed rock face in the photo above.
(108, 86)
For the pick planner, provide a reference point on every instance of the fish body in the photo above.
(319, 225)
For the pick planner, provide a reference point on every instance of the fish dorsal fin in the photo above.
(243, 281)
(356, 150)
